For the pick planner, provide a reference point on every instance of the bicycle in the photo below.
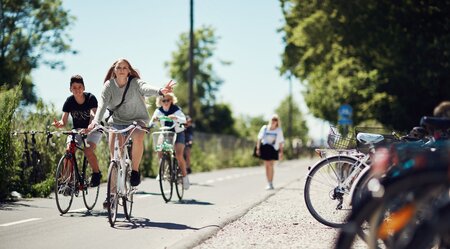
(119, 173)
(334, 176)
(31, 158)
(169, 170)
(409, 194)
(68, 179)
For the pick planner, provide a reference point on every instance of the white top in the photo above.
(272, 137)
(180, 121)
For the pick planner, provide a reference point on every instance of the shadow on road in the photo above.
(193, 202)
(147, 224)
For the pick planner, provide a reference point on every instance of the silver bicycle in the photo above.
(119, 190)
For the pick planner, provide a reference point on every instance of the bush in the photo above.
(9, 100)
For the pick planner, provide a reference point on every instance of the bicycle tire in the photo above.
(179, 186)
(406, 203)
(127, 200)
(327, 205)
(393, 188)
(90, 194)
(111, 193)
(165, 178)
(433, 231)
(65, 182)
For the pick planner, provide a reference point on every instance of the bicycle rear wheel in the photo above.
(90, 194)
(65, 181)
(178, 180)
(127, 200)
(111, 193)
(165, 178)
(324, 198)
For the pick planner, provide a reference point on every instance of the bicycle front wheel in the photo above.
(325, 197)
(112, 197)
(65, 181)
(90, 194)
(165, 178)
(178, 180)
(127, 200)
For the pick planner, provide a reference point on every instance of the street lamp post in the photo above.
(191, 60)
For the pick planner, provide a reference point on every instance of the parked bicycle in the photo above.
(70, 180)
(119, 190)
(406, 203)
(333, 178)
(169, 171)
(31, 164)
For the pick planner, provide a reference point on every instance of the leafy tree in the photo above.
(375, 55)
(298, 128)
(208, 115)
(30, 29)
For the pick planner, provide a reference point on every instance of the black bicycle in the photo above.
(69, 181)
(31, 165)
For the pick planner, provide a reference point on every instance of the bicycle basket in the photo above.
(336, 140)
(163, 140)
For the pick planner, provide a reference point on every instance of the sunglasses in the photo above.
(165, 100)
(274, 119)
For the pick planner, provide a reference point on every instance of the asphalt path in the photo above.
(214, 200)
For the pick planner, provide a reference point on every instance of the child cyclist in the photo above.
(82, 107)
(167, 107)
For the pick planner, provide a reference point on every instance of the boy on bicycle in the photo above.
(82, 107)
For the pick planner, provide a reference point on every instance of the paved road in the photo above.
(231, 203)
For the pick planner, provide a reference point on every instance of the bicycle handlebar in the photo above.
(162, 118)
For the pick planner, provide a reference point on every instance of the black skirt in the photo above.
(268, 152)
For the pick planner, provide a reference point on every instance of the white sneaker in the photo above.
(157, 177)
(186, 183)
(269, 186)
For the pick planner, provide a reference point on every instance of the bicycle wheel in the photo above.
(165, 178)
(65, 182)
(328, 201)
(127, 200)
(90, 194)
(178, 180)
(407, 203)
(111, 193)
(372, 209)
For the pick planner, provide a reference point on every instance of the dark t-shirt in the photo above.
(80, 113)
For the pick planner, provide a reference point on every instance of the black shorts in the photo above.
(268, 152)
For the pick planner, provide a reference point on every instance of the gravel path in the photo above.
(281, 221)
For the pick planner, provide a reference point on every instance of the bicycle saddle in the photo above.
(369, 138)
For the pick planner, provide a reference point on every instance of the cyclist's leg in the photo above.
(138, 148)
(179, 152)
(92, 139)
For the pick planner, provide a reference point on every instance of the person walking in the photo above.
(269, 146)
(123, 92)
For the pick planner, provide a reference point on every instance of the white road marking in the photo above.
(19, 222)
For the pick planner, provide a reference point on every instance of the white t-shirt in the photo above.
(272, 137)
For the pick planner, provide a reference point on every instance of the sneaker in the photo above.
(186, 183)
(135, 178)
(157, 177)
(189, 170)
(105, 204)
(269, 186)
(95, 179)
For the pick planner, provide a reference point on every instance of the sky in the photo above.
(146, 32)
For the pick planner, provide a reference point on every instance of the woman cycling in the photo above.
(167, 107)
(131, 109)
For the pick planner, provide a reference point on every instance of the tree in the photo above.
(299, 129)
(374, 55)
(29, 30)
(208, 115)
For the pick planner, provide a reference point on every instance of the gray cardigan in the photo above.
(133, 107)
